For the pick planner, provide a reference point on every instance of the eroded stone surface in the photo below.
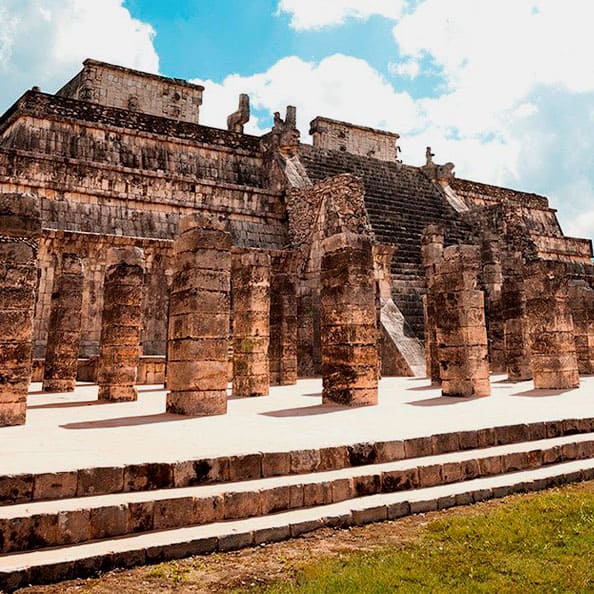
(20, 229)
(250, 285)
(119, 352)
(553, 356)
(461, 334)
(199, 318)
(350, 362)
(63, 343)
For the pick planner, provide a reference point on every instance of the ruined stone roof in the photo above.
(52, 106)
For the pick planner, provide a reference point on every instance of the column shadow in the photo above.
(542, 393)
(445, 400)
(68, 404)
(128, 421)
(306, 411)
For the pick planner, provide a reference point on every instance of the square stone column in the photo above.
(432, 242)
(515, 322)
(461, 333)
(282, 349)
(250, 286)
(581, 301)
(20, 230)
(199, 318)
(350, 361)
(552, 340)
(121, 323)
(63, 341)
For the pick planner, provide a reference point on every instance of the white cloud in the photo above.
(339, 86)
(44, 43)
(519, 87)
(316, 14)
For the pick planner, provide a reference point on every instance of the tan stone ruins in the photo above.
(301, 296)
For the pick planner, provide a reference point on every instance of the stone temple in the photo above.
(138, 246)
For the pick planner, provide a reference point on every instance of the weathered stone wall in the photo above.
(358, 140)
(104, 172)
(581, 302)
(125, 88)
(20, 228)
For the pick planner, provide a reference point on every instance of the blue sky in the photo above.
(505, 90)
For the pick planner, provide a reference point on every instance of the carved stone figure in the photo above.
(237, 120)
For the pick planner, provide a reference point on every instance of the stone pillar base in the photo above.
(55, 385)
(197, 403)
(13, 410)
(118, 393)
(557, 380)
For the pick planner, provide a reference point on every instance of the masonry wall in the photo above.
(357, 140)
(138, 91)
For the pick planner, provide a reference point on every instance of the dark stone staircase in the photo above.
(401, 201)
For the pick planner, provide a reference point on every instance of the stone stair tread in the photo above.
(14, 511)
(211, 537)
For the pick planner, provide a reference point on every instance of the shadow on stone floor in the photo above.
(306, 411)
(444, 400)
(72, 404)
(127, 421)
(541, 393)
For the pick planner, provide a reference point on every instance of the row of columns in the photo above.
(547, 319)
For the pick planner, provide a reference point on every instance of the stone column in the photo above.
(552, 341)
(121, 323)
(63, 341)
(282, 349)
(432, 242)
(460, 324)
(250, 286)
(513, 311)
(198, 337)
(20, 230)
(492, 279)
(581, 300)
(350, 362)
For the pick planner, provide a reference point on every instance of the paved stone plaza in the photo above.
(73, 431)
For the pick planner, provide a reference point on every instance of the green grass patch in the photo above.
(541, 543)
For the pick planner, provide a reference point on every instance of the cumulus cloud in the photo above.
(44, 42)
(316, 14)
(518, 90)
(339, 86)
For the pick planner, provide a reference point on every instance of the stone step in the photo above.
(84, 560)
(71, 521)
(70, 483)
(66, 484)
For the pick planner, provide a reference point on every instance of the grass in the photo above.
(543, 543)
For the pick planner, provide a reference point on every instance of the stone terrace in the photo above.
(73, 431)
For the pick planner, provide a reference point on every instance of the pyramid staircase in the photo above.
(401, 201)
